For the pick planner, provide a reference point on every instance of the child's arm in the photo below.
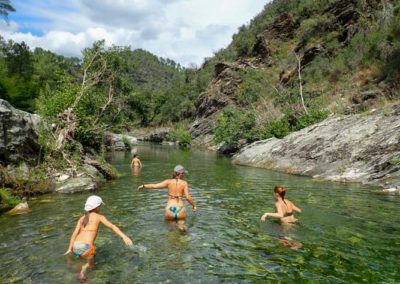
(116, 230)
(73, 237)
(160, 185)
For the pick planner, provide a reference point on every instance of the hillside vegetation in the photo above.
(296, 63)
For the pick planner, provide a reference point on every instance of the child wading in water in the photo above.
(85, 233)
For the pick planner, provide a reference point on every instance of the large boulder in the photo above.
(356, 148)
(18, 135)
(119, 142)
(157, 136)
(78, 184)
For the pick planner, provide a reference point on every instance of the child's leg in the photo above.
(89, 264)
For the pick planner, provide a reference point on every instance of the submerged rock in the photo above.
(354, 148)
(77, 184)
(21, 208)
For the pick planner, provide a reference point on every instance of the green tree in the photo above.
(6, 8)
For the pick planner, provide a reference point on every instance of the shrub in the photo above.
(126, 142)
(7, 198)
(278, 128)
(181, 135)
(233, 125)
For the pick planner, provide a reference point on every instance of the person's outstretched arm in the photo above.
(189, 198)
(160, 185)
(116, 230)
(140, 164)
(73, 236)
(277, 215)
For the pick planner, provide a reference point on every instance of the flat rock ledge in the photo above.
(361, 148)
(77, 184)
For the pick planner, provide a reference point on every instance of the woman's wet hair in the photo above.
(135, 155)
(280, 190)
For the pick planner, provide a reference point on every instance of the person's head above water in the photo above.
(93, 202)
(135, 155)
(279, 191)
(179, 171)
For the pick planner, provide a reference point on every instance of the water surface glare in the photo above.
(348, 233)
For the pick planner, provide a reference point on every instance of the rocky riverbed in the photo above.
(354, 148)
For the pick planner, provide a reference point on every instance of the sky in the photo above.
(186, 31)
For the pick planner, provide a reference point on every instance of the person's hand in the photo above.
(128, 241)
(263, 217)
(68, 252)
(194, 209)
(140, 187)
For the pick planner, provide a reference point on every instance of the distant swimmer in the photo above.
(136, 161)
(177, 187)
(284, 207)
(85, 233)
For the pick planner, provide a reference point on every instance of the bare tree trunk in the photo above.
(67, 133)
(300, 82)
(109, 101)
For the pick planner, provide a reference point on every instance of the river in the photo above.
(348, 233)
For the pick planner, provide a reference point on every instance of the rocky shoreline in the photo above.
(361, 148)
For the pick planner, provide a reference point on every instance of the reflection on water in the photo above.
(348, 234)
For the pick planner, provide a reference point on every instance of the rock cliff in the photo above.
(353, 148)
(18, 135)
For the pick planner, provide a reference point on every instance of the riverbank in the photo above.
(361, 148)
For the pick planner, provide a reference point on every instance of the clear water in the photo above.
(348, 233)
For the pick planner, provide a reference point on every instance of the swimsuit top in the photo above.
(287, 214)
(175, 196)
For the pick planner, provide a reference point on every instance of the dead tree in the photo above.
(300, 81)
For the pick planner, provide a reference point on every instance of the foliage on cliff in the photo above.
(298, 61)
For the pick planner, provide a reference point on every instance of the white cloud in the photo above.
(186, 31)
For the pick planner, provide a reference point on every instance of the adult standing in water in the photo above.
(284, 207)
(177, 187)
(136, 163)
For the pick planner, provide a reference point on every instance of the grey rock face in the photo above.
(78, 184)
(18, 135)
(357, 148)
(116, 141)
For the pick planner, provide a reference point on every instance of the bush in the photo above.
(7, 198)
(279, 128)
(126, 142)
(233, 125)
(181, 135)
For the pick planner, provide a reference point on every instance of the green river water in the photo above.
(349, 235)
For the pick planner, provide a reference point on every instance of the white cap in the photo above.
(180, 170)
(93, 202)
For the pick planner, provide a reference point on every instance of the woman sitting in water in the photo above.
(177, 187)
(284, 207)
(85, 233)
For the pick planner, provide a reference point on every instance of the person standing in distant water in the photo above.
(284, 207)
(85, 233)
(177, 187)
(136, 163)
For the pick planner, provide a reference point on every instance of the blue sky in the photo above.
(186, 31)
